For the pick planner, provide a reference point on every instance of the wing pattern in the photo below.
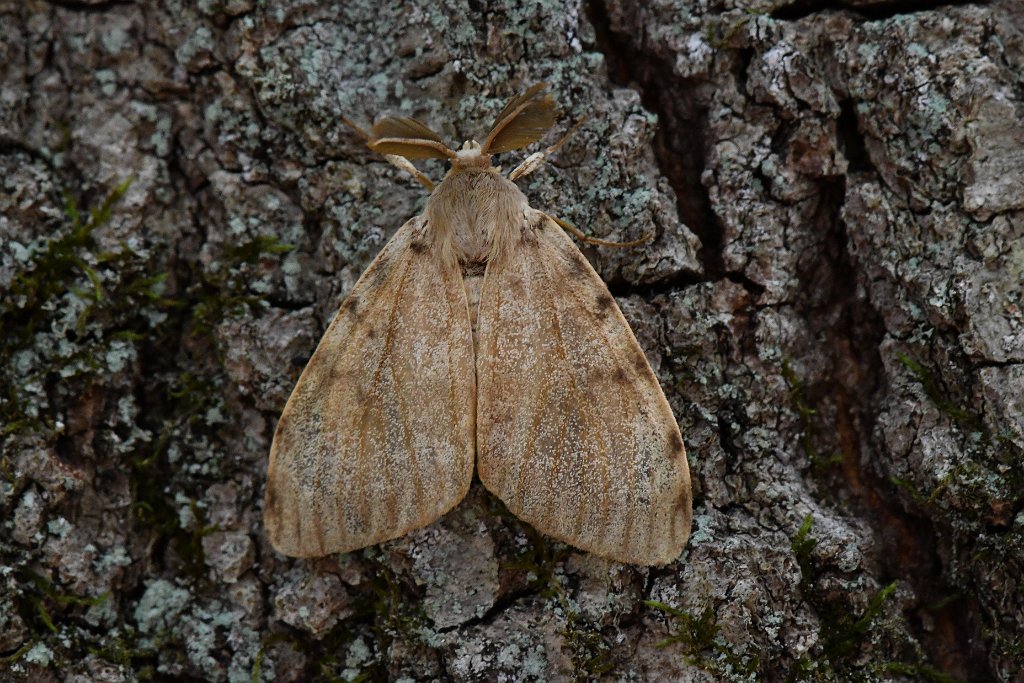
(377, 438)
(573, 431)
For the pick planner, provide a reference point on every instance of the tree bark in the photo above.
(833, 302)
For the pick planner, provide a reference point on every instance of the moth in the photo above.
(481, 334)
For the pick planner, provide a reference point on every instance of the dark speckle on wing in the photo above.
(271, 503)
(675, 442)
(640, 363)
(579, 267)
(351, 305)
(378, 272)
(605, 304)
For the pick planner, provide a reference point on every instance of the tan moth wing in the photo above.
(573, 431)
(377, 438)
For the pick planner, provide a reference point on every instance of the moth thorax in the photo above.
(472, 209)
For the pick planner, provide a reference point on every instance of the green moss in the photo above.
(719, 31)
(46, 588)
(256, 673)
(917, 495)
(940, 398)
(539, 561)
(188, 399)
(808, 421)
(985, 478)
(803, 545)
(17, 654)
(920, 672)
(384, 608)
(224, 293)
(703, 647)
(82, 320)
(843, 635)
(695, 632)
(53, 619)
(383, 600)
(538, 564)
(50, 270)
(589, 648)
(32, 303)
(840, 633)
(591, 653)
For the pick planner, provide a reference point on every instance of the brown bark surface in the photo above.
(833, 302)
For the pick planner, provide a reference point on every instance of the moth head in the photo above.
(406, 137)
(524, 120)
(471, 156)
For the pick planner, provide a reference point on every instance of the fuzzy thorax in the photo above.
(474, 211)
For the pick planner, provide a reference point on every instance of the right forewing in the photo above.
(574, 433)
(378, 435)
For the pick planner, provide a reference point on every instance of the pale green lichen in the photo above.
(39, 654)
(160, 605)
(116, 556)
(702, 530)
(200, 42)
(58, 527)
(201, 626)
(358, 654)
(107, 80)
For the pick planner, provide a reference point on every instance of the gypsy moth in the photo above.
(479, 331)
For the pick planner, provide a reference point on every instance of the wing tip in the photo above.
(303, 545)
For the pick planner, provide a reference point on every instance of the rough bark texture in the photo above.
(833, 302)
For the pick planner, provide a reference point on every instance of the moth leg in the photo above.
(406, 165)
(537, 159)
(573, 230)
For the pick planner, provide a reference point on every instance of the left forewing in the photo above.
(377, 437)
(573, 431)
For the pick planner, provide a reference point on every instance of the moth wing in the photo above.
(574, 433)
(377, 437)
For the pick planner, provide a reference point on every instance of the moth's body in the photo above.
(470, 208)
(479, 335)
(471, 216)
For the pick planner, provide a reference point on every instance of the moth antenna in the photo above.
(359, 131)
(395, 160)
(537, 159)
(523, 121)
(406, 137)
(579, 234)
